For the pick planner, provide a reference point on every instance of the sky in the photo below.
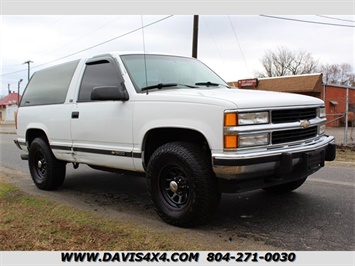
(232, 45)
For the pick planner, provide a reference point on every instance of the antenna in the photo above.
(145, 61)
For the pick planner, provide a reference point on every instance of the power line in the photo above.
(340, 19)
(107, 41)
(94, 46)
(308, 21)
(6, 66)
(18, 71)
(83, 36)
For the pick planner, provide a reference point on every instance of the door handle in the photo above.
(75, 115)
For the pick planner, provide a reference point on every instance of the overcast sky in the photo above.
(230, 45)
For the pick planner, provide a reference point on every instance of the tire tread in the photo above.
(56, 169)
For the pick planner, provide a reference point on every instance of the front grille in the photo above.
(293, 135)
(293, 115)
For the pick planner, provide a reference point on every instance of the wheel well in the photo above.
(31, 134)
(160, 136)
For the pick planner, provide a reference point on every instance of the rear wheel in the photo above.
(182, 184)
(285, 188)
(47, 172)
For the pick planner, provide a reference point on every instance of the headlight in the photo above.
(253, 140)
(234, 119)
(322, 113)
(242, 119)
(253, 118)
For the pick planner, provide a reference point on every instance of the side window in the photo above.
(50, 85)
(100, 73)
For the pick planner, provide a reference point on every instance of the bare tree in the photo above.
(283, 62)
(303, 63)
(340, 74)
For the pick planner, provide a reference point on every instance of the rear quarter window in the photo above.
(50, 85)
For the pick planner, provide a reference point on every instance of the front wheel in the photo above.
(47, 172)
(285, 188)
(182, 184)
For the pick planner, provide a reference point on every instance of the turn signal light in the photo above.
(230, 142)
(230, 119)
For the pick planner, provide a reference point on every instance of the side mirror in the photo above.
(109, 93)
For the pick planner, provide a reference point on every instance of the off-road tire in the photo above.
(285, 188)
(182, 185)
(47, 172)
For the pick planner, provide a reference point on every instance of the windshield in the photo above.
(153, 71)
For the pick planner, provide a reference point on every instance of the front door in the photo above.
(102, 130)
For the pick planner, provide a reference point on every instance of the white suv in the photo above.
(174, 120)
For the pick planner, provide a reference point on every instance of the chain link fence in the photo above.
(344, 136)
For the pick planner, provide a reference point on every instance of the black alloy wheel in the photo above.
(182, 185)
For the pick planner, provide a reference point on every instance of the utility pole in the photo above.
(28, 63)
(18, 92)
(346, 117)
(195, 37)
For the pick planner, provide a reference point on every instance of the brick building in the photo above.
(334, 96)
(335, 104)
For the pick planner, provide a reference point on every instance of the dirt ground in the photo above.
(205, 240)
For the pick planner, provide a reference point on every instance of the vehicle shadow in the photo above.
(293, 221)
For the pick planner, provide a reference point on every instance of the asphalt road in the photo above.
(318, 216)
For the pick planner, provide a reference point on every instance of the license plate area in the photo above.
(314, 160)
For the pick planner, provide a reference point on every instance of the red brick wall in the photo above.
(337, 94)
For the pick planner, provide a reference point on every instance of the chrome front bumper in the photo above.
(274, 161)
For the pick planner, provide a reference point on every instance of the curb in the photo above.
(8, 133)
(341, 164)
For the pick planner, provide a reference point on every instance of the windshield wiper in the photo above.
(210, 84)
(165, 85)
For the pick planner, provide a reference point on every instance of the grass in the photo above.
(32, 223)
(345, 153)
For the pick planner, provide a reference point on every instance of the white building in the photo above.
(8, 107)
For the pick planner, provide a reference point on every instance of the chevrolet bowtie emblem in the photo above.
(305, 123)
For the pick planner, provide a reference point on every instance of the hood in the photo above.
(241, 99)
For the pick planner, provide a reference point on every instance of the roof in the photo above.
(298, 83)
(339, 86)
(10, 99)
